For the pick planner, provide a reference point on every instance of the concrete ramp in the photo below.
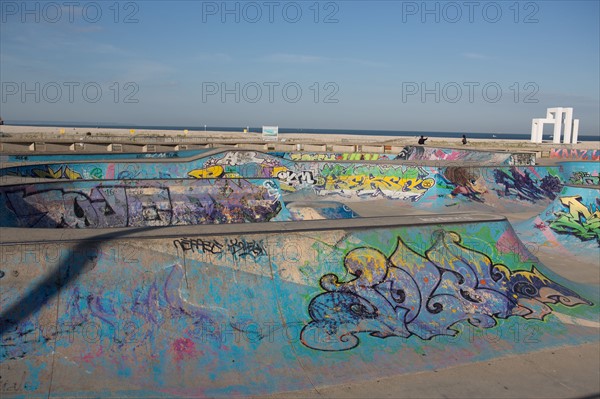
(255, 309)
(570, 225)
(138, 203)
(478, 188)
(581, 173)
(320, 210)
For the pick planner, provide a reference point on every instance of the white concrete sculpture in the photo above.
(555, 116)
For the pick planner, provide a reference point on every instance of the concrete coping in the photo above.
(11, 235)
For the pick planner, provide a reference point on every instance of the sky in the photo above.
(467, 66)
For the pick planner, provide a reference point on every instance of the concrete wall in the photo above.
(568, 153)
(135, 203)
(340, 181)
(581, 173)
(571, 224)
(252, 313)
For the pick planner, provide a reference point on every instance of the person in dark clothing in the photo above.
(464, 140)
(422, 140)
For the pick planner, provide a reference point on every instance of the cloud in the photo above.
(287, 58)
(476, 56)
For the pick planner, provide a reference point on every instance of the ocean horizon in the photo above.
(358, 132)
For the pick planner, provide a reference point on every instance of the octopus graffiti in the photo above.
(409, 294)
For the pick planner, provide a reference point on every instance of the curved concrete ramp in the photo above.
(420, 153)
(474, 187)
(138, 203)
(570, 225)
(581, 173)
(257, 309)
(320, 210)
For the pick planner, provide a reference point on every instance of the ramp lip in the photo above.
(76, 235)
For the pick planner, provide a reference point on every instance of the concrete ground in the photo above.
(572, 372)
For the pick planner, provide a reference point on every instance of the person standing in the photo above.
(422, 140)
(464, 139)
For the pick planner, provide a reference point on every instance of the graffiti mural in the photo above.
(409, 294)
(582, 221)
(520, 184)
(62, 172)
(420, 153)
(345, 156)
(136, 317)
(568, 153)
(584, 179)
(136, 204)
(466, 182)
(364, 181)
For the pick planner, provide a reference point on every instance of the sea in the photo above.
(361, 132)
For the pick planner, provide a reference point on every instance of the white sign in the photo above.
(270, 132)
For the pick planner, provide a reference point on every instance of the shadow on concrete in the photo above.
(80, 258)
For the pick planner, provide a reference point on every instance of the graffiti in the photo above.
(584, 155)
(406, 183)
(96, 173)
(420, 153)
(328, 157)
(63, 172)
(409, 294)
(210, 172)
(522, 159)
(240, 158)
(111, 322)
(577, 219)
(105, 205)
(236, 248)
(272, 189)
(132, 172)
(519, 184)
(584, 178)
(296, 178)
(466, 183)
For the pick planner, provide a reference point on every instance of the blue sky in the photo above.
(394, 65)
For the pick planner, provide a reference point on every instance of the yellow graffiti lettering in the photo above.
(211, 172)
(575, 206)
(49, 173)
(71, 174)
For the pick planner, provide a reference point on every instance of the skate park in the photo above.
(246, 273)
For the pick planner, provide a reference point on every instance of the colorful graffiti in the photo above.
(584, 179)
(582, 221)
(420, 153)
(62, 172)
(568, 153)
(147, 315)
(409, 294)
(364, 181)
(344, 156)
(466, 182)
(520, 184)
(136, 204)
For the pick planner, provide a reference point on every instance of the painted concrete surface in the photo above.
(420, 153)
(581, 173)
(337, 181)
(52, 158)
(570, 225)
(571, 153)
(137, 203)
(253, 313)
